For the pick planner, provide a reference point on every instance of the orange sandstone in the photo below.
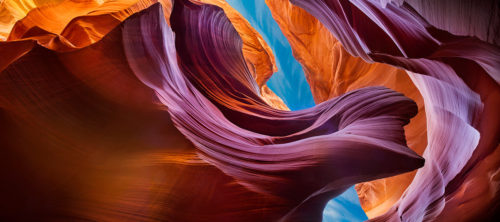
(331, 71)
(68, 25)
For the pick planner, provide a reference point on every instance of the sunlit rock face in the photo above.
(159, 111)
(458, 80)
(332, 71)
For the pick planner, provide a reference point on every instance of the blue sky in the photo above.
(290, 84)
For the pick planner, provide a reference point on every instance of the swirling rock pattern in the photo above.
(159, 111)
(331, 71)
(460, 90)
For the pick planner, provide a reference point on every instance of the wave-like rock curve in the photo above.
(458, 78)
(107, 140)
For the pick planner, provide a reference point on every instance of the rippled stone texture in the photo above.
(66, 25)
(458, 80)
(142, 125)
(331, 71)
(56, 27)
(126, 110)
(461, 17)
(257, 53)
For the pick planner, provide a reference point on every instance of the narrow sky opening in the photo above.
(290, 84)
(289, 81)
